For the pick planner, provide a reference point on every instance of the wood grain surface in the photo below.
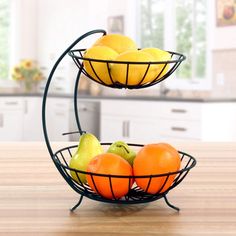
(35, 200)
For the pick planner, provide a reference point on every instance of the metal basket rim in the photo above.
(180, 59)
(124, 176)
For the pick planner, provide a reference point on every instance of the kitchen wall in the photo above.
(24, 30)
(224, 76)
(221, 58)
(223, 37)
(223, 47)
(46, 28)
(43, 29)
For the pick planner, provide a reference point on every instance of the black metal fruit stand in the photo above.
(61, 158)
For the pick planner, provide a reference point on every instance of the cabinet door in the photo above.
(11, 119)
(32, 125)
(144, 130)
(129, 129)
(11, 125)
(181, 130)
(58, 119)
(114, 129)
(133, 122)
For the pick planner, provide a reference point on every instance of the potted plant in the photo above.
(27, 73)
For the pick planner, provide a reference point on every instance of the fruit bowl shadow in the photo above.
(135, 195)
(131, 74)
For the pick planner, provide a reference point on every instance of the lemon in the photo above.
(158, 55)
(136, 72)
(119, 43)
(101, 68)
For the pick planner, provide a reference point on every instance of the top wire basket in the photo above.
(128, 74)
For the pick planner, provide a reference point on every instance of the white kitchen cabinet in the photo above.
(32, 124)
(180, 110)
(180, 129)
(218, 122)
(89, 118)
(145, 130)
(202, 121)
(57, 118)
(135, 121)
(129, 129)
(181, 120)
(113, 128)
(11, 119)
(167, 121)
(21, 118)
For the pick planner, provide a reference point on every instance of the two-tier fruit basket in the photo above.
(62, 157)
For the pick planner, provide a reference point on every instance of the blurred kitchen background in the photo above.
(197, 103)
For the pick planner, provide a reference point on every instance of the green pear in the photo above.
(88, 148)
(122, 149)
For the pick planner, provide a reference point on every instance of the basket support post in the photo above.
(77, 204)
(45, 94)
(76, 101)
(170, 205)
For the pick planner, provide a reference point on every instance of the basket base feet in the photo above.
(170, 205)
(77, 204)
(165, 198)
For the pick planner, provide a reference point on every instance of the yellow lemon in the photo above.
(101, 68)
(136, 72)
(158, 55)
(117, 42)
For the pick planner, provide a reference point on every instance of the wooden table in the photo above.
(35, 200)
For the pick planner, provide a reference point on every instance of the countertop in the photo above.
(35, 199)
(124, 97)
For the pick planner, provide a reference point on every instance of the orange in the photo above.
(154, 159)
(158, 55)
(110, 164)
(136, 72)
(99, 71)
(118, 42)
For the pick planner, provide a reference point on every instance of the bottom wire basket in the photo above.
(135, 194)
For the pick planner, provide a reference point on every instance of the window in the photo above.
(4, 38)
(152, 23)
(181, 26)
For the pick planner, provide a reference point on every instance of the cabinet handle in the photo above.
(127, 129)
(1, 120)
(176, 110)
(11, 103)
(181, 129)
(123, 129)
(26, 107)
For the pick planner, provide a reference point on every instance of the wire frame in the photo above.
(136, 194)
(167, 68)
(62, 157)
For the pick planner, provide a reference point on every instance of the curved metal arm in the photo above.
(49, 81)
(76, 110)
